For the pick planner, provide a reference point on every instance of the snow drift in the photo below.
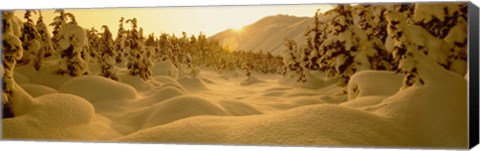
(55, 117)
(300, 126)
(98, 89)
(436, 111)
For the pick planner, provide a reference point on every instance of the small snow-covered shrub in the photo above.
(166, 68)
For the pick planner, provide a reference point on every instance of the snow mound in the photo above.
(20, 78)
(276, 91)
(181, 107)
(52, 109)
(294, 94)
(369, 82)
(192, 84)
(162, 94)
(436, 111)
(365, 101)
(48, 70)
(22, 102)
(136, 82)
(98, 89)
(166, 68)
(36, 90)
(299, 126)
(250, 81)
(58, 117)
(65, 109)
(312, 82)
(168, 81)
(238, 108)
(307, 100)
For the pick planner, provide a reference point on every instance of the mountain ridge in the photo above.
(267, 34)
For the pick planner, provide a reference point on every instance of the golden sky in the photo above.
(192, 20)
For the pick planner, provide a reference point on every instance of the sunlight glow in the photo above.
(238, 29)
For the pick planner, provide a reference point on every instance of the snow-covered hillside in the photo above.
(267, 34)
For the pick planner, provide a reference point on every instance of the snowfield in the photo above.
(228, 108)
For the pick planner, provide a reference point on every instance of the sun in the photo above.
(238, 29)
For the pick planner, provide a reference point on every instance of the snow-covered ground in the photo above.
(228, 108)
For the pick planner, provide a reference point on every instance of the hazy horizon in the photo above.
(192, 20)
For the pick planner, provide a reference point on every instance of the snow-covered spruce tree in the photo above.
(292, 63)
(136, 63)
(202, 47)
(150, 41)
(404, 49)
(91, 51)
(447, 21)
(45, 40)
(107, 54)
(12, 50)
(184, 47)
(247, 67)
(31, 42)
(315, 37)
(175, 47)
(190, 65)
(193, 45)
(164, 47)
(151, 47)
(407, 10)
(147, 64)
(457, 40)
(149, 51)
(185, 61)
(421, 42)
(346, 49)
(57, 24)
(120, 42)
(71, 41)
(439, 18)
(370, 19)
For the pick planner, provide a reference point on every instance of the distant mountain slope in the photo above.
(267, 34)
